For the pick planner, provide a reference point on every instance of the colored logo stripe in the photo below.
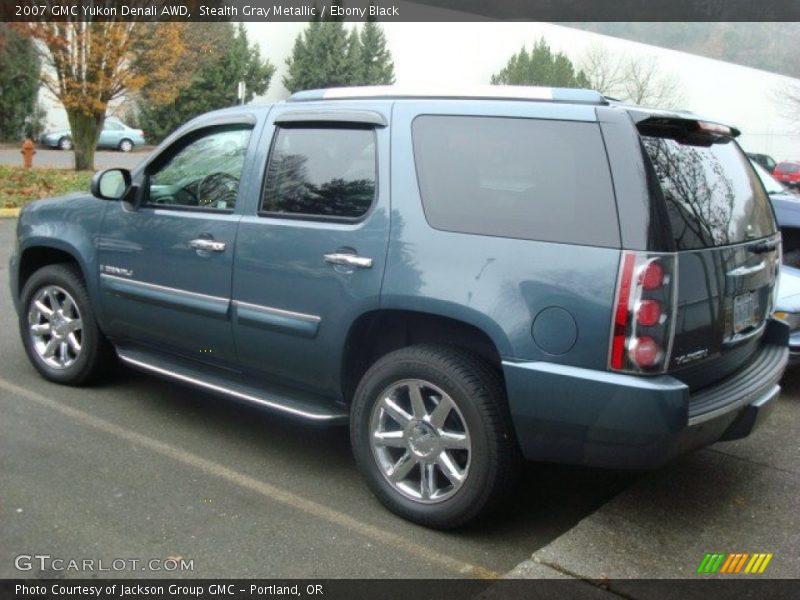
(720, 562)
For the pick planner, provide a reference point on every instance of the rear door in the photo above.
(728, 248)
(310, 257)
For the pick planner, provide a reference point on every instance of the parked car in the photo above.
(115, 134)
(787, 213)
(787, 308)
(788, 172)
(464, 277)
(765, 160)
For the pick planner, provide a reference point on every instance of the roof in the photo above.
(476, 92)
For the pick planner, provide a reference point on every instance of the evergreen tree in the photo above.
(222, 59)
(540, 67)
(19, 84)
(378, 68)
(326, 55)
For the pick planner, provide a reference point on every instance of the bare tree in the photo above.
(788, 100)
(645, 84)
(603, 69)
(635, 79)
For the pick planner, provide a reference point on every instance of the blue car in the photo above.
(465, 278)
(115, 135)
(786, 204)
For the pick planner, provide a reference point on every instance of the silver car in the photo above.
(115, 135)
(787, 308)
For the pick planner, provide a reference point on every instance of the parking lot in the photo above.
(138, 468)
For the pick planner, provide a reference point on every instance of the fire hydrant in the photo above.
(28, 150)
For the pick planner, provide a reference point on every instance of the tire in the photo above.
(77, 355)
(475, 441)
(65, 143)
(125, 145)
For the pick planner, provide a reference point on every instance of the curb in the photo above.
(9, 213)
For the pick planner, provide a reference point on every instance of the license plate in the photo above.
(744, 311)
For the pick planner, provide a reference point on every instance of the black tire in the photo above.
(96, 353)
(477, 391)
(125, 145)
(65, 143)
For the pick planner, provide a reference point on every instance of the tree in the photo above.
(326, 55)
(540, 67)
(19, 84)
(90, 63)
(376, 60)
(219, 56)
(635, 79)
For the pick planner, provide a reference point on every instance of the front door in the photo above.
(165, 268)
(310, 257)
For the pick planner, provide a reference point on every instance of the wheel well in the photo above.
(377, 333)
(34, 259)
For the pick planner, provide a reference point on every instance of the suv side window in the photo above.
(520, 178)
(203, 174)
(321, 172)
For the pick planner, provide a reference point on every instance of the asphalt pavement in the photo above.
(138, 469)
(45, 157)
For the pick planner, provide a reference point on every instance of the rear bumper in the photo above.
(580, 416)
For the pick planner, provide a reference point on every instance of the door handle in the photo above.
(207, 245)
(348, 260)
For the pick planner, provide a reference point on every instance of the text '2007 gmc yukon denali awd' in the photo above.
(467, 278)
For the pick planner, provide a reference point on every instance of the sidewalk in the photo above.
(734, 497)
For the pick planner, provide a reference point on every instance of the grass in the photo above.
(19, 186)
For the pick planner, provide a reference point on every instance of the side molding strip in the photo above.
(212, 306)
(276, 319)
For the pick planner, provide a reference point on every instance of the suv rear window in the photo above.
(712, 194)
(517, 178)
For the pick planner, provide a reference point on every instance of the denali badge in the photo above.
(684, 359)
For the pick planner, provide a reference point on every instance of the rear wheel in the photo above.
(125, 145)
(65, 143)
(431, 434)
(58, 327)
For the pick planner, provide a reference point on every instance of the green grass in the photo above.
(19, 186)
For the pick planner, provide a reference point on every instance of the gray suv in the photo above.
(467, 279)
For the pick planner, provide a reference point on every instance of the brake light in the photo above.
(643, 313)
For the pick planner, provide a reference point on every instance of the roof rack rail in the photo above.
(488, 92)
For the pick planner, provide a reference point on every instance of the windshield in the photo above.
(772, 185)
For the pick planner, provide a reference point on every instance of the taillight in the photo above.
(641, 335)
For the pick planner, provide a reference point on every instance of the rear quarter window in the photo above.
(517, 178)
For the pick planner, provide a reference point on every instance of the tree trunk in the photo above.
(85, 133)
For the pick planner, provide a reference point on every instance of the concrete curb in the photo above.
(9, 213)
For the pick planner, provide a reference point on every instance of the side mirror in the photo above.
(111, 184)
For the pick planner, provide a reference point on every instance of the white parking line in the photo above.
(260, 487)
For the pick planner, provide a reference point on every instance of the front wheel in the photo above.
(58, 327)
(432, 436)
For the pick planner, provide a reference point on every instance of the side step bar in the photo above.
(281, 400)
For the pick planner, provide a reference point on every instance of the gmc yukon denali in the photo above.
(467, 278)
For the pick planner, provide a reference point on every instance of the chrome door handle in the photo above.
(207, 245)
(348, 260)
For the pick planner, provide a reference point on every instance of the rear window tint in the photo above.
(518, 178)
(713, 196)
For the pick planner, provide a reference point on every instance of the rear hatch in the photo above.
(724, 235)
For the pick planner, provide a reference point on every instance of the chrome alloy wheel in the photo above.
(55, 327)
(420, 441)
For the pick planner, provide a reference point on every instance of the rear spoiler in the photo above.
(684, 128)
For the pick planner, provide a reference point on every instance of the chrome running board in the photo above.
(281, 400)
